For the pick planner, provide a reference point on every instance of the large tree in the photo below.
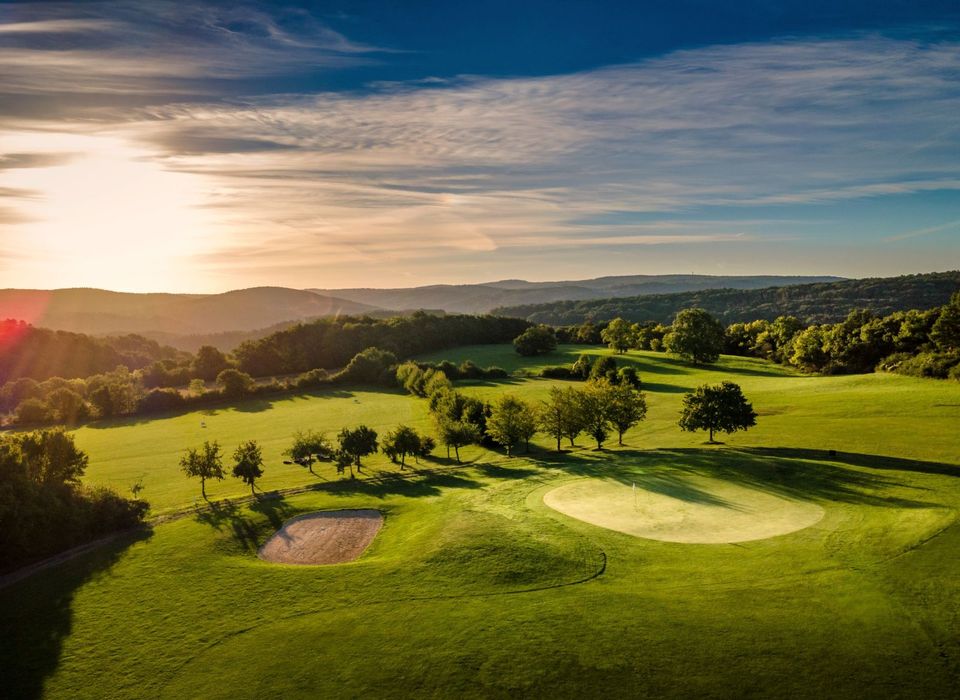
(357, 442)
(719, 408)
(234, 383)
(560, 416)
(695, 336)
(618, 335)
(203, 463)
(209, 363)
(307, 448)
(627, 407)
(457, 434)
(512, 421)
(248, 464)
(594, 401)
(946, 330)
(400, 442)
(536, 340)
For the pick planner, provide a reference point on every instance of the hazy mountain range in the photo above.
(172, 317)
(482, 298)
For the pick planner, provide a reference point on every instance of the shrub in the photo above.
(157, 400)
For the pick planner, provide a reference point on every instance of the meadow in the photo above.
(475, 587)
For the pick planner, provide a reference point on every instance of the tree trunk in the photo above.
(711, 434)
(456, 448)
(558, 443)
(252, 492)
(403, 460)
(203, 488)
(620, 438)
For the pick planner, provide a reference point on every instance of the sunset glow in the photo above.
(208, 147)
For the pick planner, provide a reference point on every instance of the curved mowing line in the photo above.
(175, 672)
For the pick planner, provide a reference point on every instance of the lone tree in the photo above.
(308, 448)
(248, 464)
(400, 442)
(618, 335)
(203, 463)
(560, 416)
(357, 443)
(695, 336)
(721, 408)
(512, 421)
(536, 340)
(627, 408)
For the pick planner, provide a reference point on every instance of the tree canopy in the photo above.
(719, 408)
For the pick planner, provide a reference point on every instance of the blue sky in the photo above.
(205, 146)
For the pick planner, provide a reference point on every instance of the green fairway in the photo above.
(475, 586)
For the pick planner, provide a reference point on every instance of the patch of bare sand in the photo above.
(324, 537)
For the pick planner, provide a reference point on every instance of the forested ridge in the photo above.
(824, 302)
(41, 353)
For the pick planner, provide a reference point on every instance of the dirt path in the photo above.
(326, 537)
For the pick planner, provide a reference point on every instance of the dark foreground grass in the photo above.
(475, 588)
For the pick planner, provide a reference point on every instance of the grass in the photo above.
(474, 587)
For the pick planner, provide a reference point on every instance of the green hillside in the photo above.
(476, 588)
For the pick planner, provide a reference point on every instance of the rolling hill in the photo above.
(483, 298)
(97, 311)
(826, 302)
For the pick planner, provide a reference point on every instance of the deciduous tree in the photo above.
(695, 336)
(618, 335)
(511, 422)
(721, 408)
(248, 464)
(627, 407)
(203, 463)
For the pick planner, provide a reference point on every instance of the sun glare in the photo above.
(106, 213)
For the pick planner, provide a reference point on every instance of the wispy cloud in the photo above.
(475, 165)
(165, 46)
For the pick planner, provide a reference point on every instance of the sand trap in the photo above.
(683, 508)
(326, 537)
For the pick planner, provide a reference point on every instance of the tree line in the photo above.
(328, 351)
(924, 343)
(821, 303)
(44, 509)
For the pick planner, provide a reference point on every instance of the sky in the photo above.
(204, 146)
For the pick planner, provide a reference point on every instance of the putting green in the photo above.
(676, 507)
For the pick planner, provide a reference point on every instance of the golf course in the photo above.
(813, 555)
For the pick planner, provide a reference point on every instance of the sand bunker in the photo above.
(326, 537)
(683, 508)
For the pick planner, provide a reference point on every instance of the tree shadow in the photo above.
(36, 614)
(253, 404)
(659, 388)
(232, 517)
(796, 474)
(858, 459)
(498, 471)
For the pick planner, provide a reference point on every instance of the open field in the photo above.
(475, 587)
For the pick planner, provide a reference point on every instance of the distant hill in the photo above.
(827, 302)
(483, 298)
(96, 311)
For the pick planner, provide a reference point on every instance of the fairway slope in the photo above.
(327, 537)
(689, 509)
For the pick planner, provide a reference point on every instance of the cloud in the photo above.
(160, 46)
(474, 165)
